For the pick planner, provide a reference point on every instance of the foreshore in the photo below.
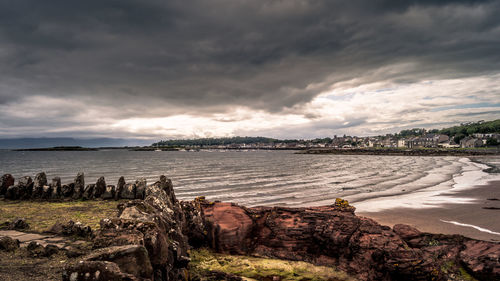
(152, 237)
(476, 218)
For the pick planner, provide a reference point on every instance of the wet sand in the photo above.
(473, 213)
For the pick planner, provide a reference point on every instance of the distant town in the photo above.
(466, 135)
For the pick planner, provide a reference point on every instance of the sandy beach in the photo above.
(478, 218)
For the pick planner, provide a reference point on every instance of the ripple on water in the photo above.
(255, 177)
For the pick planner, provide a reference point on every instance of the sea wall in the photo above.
(39, 188)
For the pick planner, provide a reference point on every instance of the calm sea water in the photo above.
(254, 177)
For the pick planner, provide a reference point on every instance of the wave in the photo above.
(260, 177)
(472, 226)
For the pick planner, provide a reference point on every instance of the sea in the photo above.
(266, 177)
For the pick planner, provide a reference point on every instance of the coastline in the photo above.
(402, 151)
(463, 214)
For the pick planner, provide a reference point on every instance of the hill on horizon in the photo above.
(19, 143)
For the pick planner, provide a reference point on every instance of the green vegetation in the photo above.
(252, 268)
(214, 141)
(232, 140)
(411, 133)
(473, 128)
(43, 215)
(449, 268)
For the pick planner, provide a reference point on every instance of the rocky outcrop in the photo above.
(335, 236)
(39, 189)
(38, 184)
(131, 259)
(88, 192)
(119, 188)
(22, 190)
(100, 188)
(145, 240)
(128, 191)
(109, 192)
(140, 188)
(79, 186)
(6, 181)
(481, 259)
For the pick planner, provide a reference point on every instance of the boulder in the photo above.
(140, 188)
(109, 193)
(100, 187)
(47, 191)
(128, 191)
(95, 271)
(119, 188)
(405, 231)
(67, 190)
(131, 259)
(12, 192)
(56, 188)
(18, 224)
(6, 181)
(79, 186)
(25, 189)
(88, 192)
(71, 228)
(35, 249)
(166, 184)
(38, 184)
(8, 244)
(50, 250)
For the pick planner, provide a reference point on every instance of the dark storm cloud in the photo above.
(160, 58)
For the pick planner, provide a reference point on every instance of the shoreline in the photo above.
(470, 212)
(402, 151)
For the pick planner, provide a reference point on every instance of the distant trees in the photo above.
(215, 141)
(411, 133)
(492, 142)
(472, 128)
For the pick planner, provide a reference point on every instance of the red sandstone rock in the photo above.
(482, 259)
(405, 231)
(335, 236)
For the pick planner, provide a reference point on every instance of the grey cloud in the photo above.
(159, 58)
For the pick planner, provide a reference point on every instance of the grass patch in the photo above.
(41, 215)
(450, 269)
(19, 266)
(252, 268)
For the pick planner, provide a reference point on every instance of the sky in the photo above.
(156, 69)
